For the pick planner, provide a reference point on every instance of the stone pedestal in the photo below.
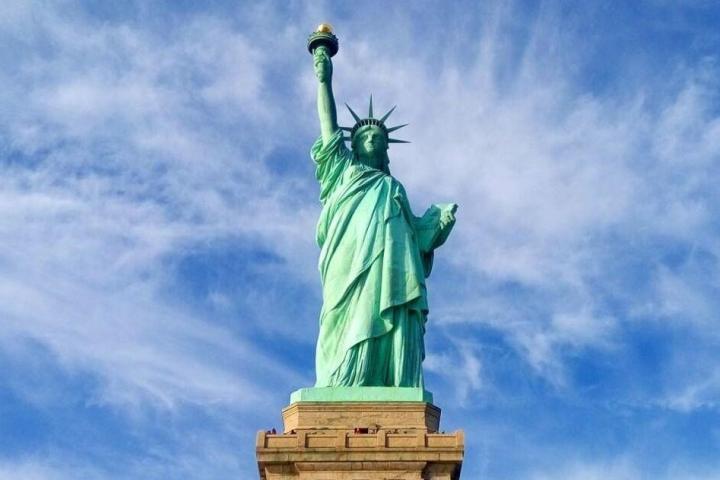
(360, 441)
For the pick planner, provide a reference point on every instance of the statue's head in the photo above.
(370, 139)
(370, 145)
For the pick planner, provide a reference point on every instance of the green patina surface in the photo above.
(375, 254)
(362, 394)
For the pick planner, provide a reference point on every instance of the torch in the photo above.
(323, 36)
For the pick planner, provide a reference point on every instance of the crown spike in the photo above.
(392, 129)
(370, 109)
(385, 117)
(394, 140)
(357, 119)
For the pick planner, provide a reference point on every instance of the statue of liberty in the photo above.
(375, 253)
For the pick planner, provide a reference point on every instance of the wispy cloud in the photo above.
(563, 191)
(109, 171)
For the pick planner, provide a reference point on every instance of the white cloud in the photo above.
(133, 177)
(37, 470)
(463, 366)
(702, 393)
(558, 187)
(622, 468)
(551, 179)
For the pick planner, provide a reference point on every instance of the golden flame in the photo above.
(325, 28)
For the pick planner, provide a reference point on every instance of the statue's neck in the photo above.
(378, 162)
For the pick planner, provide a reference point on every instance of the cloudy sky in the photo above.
(159, 292)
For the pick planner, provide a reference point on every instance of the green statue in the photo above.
(375, 254)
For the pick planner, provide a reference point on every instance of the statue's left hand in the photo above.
(447, 220)
(445, 224)
(435, 225)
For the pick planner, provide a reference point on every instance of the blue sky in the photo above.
(158, 284)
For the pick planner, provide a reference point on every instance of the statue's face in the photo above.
(372, 145)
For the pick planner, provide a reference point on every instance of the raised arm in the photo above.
(325, 99)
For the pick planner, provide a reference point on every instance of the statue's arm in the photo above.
(325, 99)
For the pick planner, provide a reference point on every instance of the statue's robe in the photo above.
(373, 273)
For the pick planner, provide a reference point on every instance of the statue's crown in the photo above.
(379, 122)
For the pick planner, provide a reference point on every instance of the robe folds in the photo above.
(373, 273)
